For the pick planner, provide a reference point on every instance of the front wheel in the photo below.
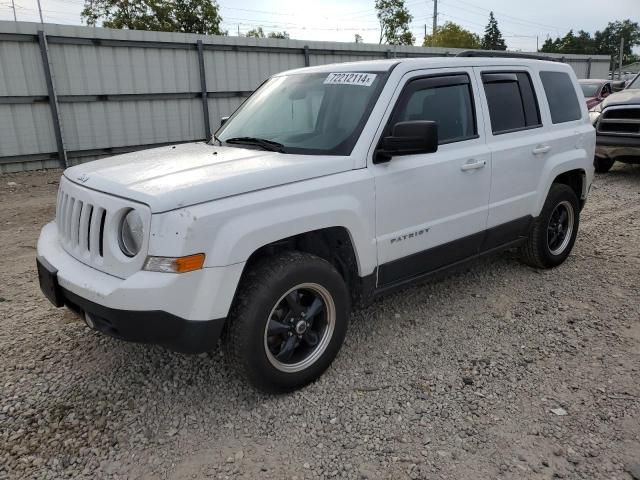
(603, 165)
(554, 231)
(288, 321)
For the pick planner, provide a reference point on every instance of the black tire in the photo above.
(261, 298)
(539, 249)
(603, 165)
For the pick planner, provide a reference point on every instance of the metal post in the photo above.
(388, 53)
(40, 11)
(620, 58)
(203, 88)
(435, 17)
(53, 98)
(589, 67)
(306, 56)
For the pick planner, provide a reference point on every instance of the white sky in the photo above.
(339, 20)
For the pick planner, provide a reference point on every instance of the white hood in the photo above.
(177, 176)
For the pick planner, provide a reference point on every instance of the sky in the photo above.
(523, 22)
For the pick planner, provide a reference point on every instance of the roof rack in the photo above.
(494, 53)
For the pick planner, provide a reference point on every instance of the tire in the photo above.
(603, 165)
(546, 246)
(286, 290)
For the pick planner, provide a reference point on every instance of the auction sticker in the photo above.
(347, 78)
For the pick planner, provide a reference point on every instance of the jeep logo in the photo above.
(417, 233)
(83, 178)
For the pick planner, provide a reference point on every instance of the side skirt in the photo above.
(442, 259)
(443, 271)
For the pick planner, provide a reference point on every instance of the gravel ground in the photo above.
(501, 371)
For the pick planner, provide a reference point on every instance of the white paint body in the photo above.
(228, 202)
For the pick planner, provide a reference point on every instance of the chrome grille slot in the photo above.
(94, 230)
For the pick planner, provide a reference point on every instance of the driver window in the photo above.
(606, 90)
(450, 106)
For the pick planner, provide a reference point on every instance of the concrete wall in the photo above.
(121, 90)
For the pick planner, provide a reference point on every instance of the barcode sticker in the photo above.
(348, 78)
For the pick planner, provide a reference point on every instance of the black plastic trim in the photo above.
(155, 326)
(452, 253)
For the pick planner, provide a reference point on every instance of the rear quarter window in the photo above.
(561, 96)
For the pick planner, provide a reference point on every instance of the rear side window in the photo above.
(512, 101)
(561, 96)
(446, 100)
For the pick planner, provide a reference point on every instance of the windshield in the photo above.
(313, 113)
(635, 83)
(589, 89)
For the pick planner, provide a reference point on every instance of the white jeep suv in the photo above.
(330, 185)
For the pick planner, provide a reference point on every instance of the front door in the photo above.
(431, 209)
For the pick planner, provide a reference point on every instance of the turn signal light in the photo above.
(175, 265)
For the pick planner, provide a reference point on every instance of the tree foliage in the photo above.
(492, 37)
(256, 33)
(454, 36)
(189, 16)
(282, 34)
(358, 38)
(605, 42)
(394, 18)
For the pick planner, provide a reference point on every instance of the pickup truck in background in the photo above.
(617, 123)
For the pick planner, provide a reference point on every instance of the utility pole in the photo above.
(13, 5)
(435, 17)
(40, 11)
(620, 57)
(537, 43)
(425, 31)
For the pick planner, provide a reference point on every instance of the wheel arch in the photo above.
(576, 178)
(333, 244)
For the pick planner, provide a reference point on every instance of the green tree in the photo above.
(582, 43)
(197, 16)
(282, 34)
(394, 18)
(256, 33)
(608, 41)
(189, 16)
(358, 38)
(454, 36)
(492, 37)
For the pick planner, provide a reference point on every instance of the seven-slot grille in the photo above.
(80, 225)
(620, 120)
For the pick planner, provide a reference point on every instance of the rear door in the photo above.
(519, 146)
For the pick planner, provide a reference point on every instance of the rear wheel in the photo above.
(603, 165)
(288, 321)
(554, 231)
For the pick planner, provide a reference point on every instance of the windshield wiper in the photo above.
(260, 142)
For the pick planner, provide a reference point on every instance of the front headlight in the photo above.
(594, 116)
(131, 233)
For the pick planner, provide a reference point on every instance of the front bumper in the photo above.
(617, 147)
(185, 312)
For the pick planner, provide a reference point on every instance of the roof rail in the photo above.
(495, 53)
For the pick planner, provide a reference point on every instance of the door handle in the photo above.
(540, 149)
(473, 165)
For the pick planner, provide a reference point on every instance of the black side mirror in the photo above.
(408, 138)
(223, 120)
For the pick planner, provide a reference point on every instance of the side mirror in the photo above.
(223, 120)
(408, 138)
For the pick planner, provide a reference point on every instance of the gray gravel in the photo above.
(500, 371)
